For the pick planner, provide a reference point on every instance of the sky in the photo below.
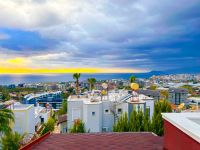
(99, 36)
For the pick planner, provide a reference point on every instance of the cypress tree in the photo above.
(122, 124)
(147, 121)
(132, 121)
(140, 121)
(157, 120)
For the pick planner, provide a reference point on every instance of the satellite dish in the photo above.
(103, 92)
(134, 86)
(105, 85)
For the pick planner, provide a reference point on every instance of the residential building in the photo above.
(52, 99)
(177, 95)
(100, 112)
(155, 94)
(182, 131)
(28, 119)
(24, 118)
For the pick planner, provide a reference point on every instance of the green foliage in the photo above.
(92, 81)
(63, 109)
(132, 121)
(4, 94)
(6, 117)
(76, 77)
(140, 121)
(147, 121)
(122, 124)
(11, 141)
(70, 90)
(157, 120)
(65, 95)
(132, 79)
(49, 126)
(18, 90)
(78, 127)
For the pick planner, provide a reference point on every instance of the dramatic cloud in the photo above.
(142, 35)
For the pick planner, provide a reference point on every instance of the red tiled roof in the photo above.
(101, 141)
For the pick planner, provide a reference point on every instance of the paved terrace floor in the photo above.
(101, 141)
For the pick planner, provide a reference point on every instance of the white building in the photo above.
(100, 112)
(28, 118)
(24, 118)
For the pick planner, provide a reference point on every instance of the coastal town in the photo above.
(103, 106)
(99, 75)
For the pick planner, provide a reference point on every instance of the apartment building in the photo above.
(177, 95)
(100, 112)
(52, 99)
(155, 94)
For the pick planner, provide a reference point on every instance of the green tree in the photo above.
(122, 124)
(76, 77)
(140, 121)
(63, 109)
(132, 121)
(4, 93)
(147, 121)
(11, 141)
(91, 81)
(78, 127)
(157, 120)
(49, 126)
(70, 90)
(132, 79)
(6, 117)
(65, 95)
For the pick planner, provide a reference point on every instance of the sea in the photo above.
(36, 78)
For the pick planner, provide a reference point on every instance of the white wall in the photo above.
(71, 106)
(108, 118)
(150, 104)
(93, 123)
(24, 121)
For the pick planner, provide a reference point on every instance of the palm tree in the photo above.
(132, 79)
(6, 117)
(12, 141)
(76, 77)
(91, 81)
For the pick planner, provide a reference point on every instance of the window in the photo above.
(119, 111)
(106, 111)
(93, 113)
(105, 129)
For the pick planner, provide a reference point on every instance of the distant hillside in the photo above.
(189, 70)
(149, 74)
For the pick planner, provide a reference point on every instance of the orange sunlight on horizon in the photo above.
(16, 70)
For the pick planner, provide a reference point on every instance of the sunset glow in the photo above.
(65, 70)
